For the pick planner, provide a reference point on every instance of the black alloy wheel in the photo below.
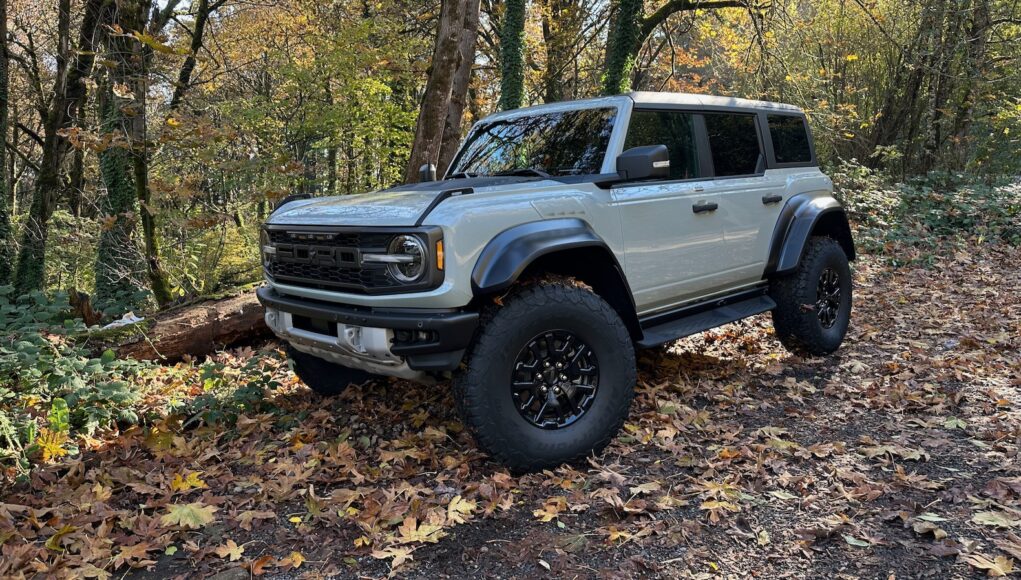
(555, 379)
(827, 306)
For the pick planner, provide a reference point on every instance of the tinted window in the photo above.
(734, 143)
(675, 130)
(566, 143)
(790, 139)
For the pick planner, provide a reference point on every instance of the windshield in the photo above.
(564, 143)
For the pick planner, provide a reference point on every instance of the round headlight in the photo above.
(412, 258)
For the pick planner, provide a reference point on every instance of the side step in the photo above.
(705, 320)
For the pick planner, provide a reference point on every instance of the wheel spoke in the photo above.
(542, 410)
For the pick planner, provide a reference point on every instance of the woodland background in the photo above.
(145, 142)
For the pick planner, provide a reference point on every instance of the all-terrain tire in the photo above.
(802, 295)
(483, 387)
(322, 376)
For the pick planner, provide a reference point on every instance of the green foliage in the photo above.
(902, 221)
(43, 366)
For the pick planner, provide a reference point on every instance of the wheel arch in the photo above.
(806, 215)
(566, 247)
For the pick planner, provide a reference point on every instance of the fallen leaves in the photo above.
(996, 519)
(230, 551)
(193, 515)
(735, 460)
(996, 567)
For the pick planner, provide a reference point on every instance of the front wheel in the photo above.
(322, 376)
(550, 377)
(813, 304)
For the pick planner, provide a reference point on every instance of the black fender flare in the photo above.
(798, 221)
(507, 255)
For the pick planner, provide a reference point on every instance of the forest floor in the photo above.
(898, 456)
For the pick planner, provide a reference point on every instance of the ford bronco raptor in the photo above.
(563, 237)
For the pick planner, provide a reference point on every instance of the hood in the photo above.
(400, 206)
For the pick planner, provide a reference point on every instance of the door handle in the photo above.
(705, 206)
(771, 199)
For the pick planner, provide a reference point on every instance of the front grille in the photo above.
(331, 277)
(328, 259)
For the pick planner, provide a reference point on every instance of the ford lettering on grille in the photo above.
(318, 255)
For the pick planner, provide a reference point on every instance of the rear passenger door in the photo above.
(747, 195)
(671, 236)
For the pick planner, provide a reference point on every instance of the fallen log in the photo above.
(194, 330)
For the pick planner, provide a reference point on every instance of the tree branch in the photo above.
(674, 6)
(35, 136)
(16, 151)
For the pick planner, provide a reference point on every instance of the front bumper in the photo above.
(399, 342)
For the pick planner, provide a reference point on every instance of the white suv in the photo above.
(563, 237)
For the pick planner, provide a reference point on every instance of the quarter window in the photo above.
(734, 142)
(790, 139)
(675, 130)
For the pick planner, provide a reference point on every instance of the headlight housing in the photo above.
(410, 258)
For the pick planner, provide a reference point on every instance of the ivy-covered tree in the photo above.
(73, 66)
(119, 267)
(6, 233)
(631, 28)
(512, 55)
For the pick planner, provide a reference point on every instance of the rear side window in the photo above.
(734, 142)
(790, 139)
(675, 130)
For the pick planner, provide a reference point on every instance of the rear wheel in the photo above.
(550, 377)
(813, 304)
(323, 377)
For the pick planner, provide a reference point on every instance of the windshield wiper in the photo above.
(463, 175)
(524, 172)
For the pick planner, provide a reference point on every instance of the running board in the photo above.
(705, 320)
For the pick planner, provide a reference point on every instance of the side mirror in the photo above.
(639, 163)
(427, 172)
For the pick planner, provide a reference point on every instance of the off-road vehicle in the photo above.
(562, 237)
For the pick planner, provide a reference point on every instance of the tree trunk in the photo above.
(119, 270)
(459, 89)
(436, 101)
(626, 41)
(68, 92)
(631, 29)
(975, 63)
(197, 330)
(6, 233)
(512, 55)
(123, 165)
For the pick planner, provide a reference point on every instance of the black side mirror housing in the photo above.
(640, 163)
(427, 172)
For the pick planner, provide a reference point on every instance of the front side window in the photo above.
(673, 129)
(558, 144)
(790, 139)
(734, 142)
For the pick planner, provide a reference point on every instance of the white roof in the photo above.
(648, 98)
